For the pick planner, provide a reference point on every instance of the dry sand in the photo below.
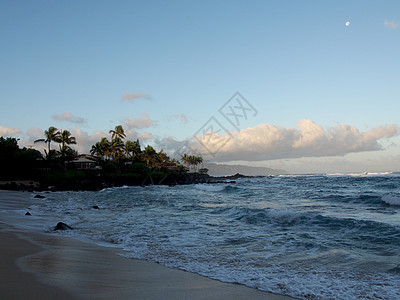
(36, 265)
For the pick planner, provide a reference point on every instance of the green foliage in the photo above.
(110, 168)
(191, 160)
(203, 171)
(69, 177)
(157, 175)
(138, 168)
(16, 163)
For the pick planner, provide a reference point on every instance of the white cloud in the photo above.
(144, 136)
(168, 143)
(181, 117)
(268, 142)
(9, 132)
(68, 117)
(142, 122)
(132, 97)
(84, 141)
(391, 24)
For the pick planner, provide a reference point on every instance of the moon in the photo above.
(347, 23)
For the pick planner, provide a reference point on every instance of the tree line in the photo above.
(115, 155)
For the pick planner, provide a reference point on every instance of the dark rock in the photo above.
(62, 226)
(27, 213)
(39, 197)
(95, 207)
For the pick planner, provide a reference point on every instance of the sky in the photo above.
(304, 86)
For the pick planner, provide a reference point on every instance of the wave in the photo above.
(114, 188)
(391, 200)
(215, 188)
(209, 187)
(363, 199)
(362, 174)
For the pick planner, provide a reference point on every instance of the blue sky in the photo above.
(164, 68)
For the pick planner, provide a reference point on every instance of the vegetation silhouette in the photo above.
(112, 162)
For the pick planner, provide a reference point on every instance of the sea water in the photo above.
(326, 236)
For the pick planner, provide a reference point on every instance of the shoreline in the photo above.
(95, 184)
(76, 269)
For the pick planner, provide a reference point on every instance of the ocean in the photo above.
(324, 236)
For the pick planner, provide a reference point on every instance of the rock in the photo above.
(95, 207)
(62, 226)
(27, 213)
(39, 197)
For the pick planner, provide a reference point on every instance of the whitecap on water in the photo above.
(209, 188)
(391, 200)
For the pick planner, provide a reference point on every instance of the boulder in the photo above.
(62, 226)
(95, 207)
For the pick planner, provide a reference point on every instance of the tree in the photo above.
(149, 156)
(196, 160)
(186, 160)
(65, 139)
(16, 162)
(133, 149)
(117, 148)
(105, 147)
(203, 171)
(191, 160)
(52, 134)
(97, 150)
(118, 132)
(162, 160)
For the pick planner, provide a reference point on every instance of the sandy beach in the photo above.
(46, 266)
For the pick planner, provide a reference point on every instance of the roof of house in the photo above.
(84, 160)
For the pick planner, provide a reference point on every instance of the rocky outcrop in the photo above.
(62, 226)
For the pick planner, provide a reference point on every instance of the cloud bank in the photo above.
(132, 97)
(268, 142)
(7, 131)
(142, 122)
(68, 117)
(391, 24)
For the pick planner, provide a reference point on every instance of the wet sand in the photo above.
(48, 266)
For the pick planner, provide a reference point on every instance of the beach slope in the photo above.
(47, 266)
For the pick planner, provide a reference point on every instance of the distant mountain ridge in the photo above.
(226, 170)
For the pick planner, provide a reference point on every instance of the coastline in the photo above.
(73, 269)
(96, 184)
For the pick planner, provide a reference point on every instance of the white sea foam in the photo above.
(391, 200)
(361, 174)
(209, 187)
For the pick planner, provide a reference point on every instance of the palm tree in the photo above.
(65, 138)
(105, 147)
(186, 160)
(118, 132)
(101, 149)
(97, 150)
(52, 134)
(133, 149)
(149, 156)
(191, 160)
(196, 160)
(117, 147)
(162, 160)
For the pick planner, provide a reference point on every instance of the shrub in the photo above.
(138, 168)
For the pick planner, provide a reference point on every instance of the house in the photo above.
(86, 162)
